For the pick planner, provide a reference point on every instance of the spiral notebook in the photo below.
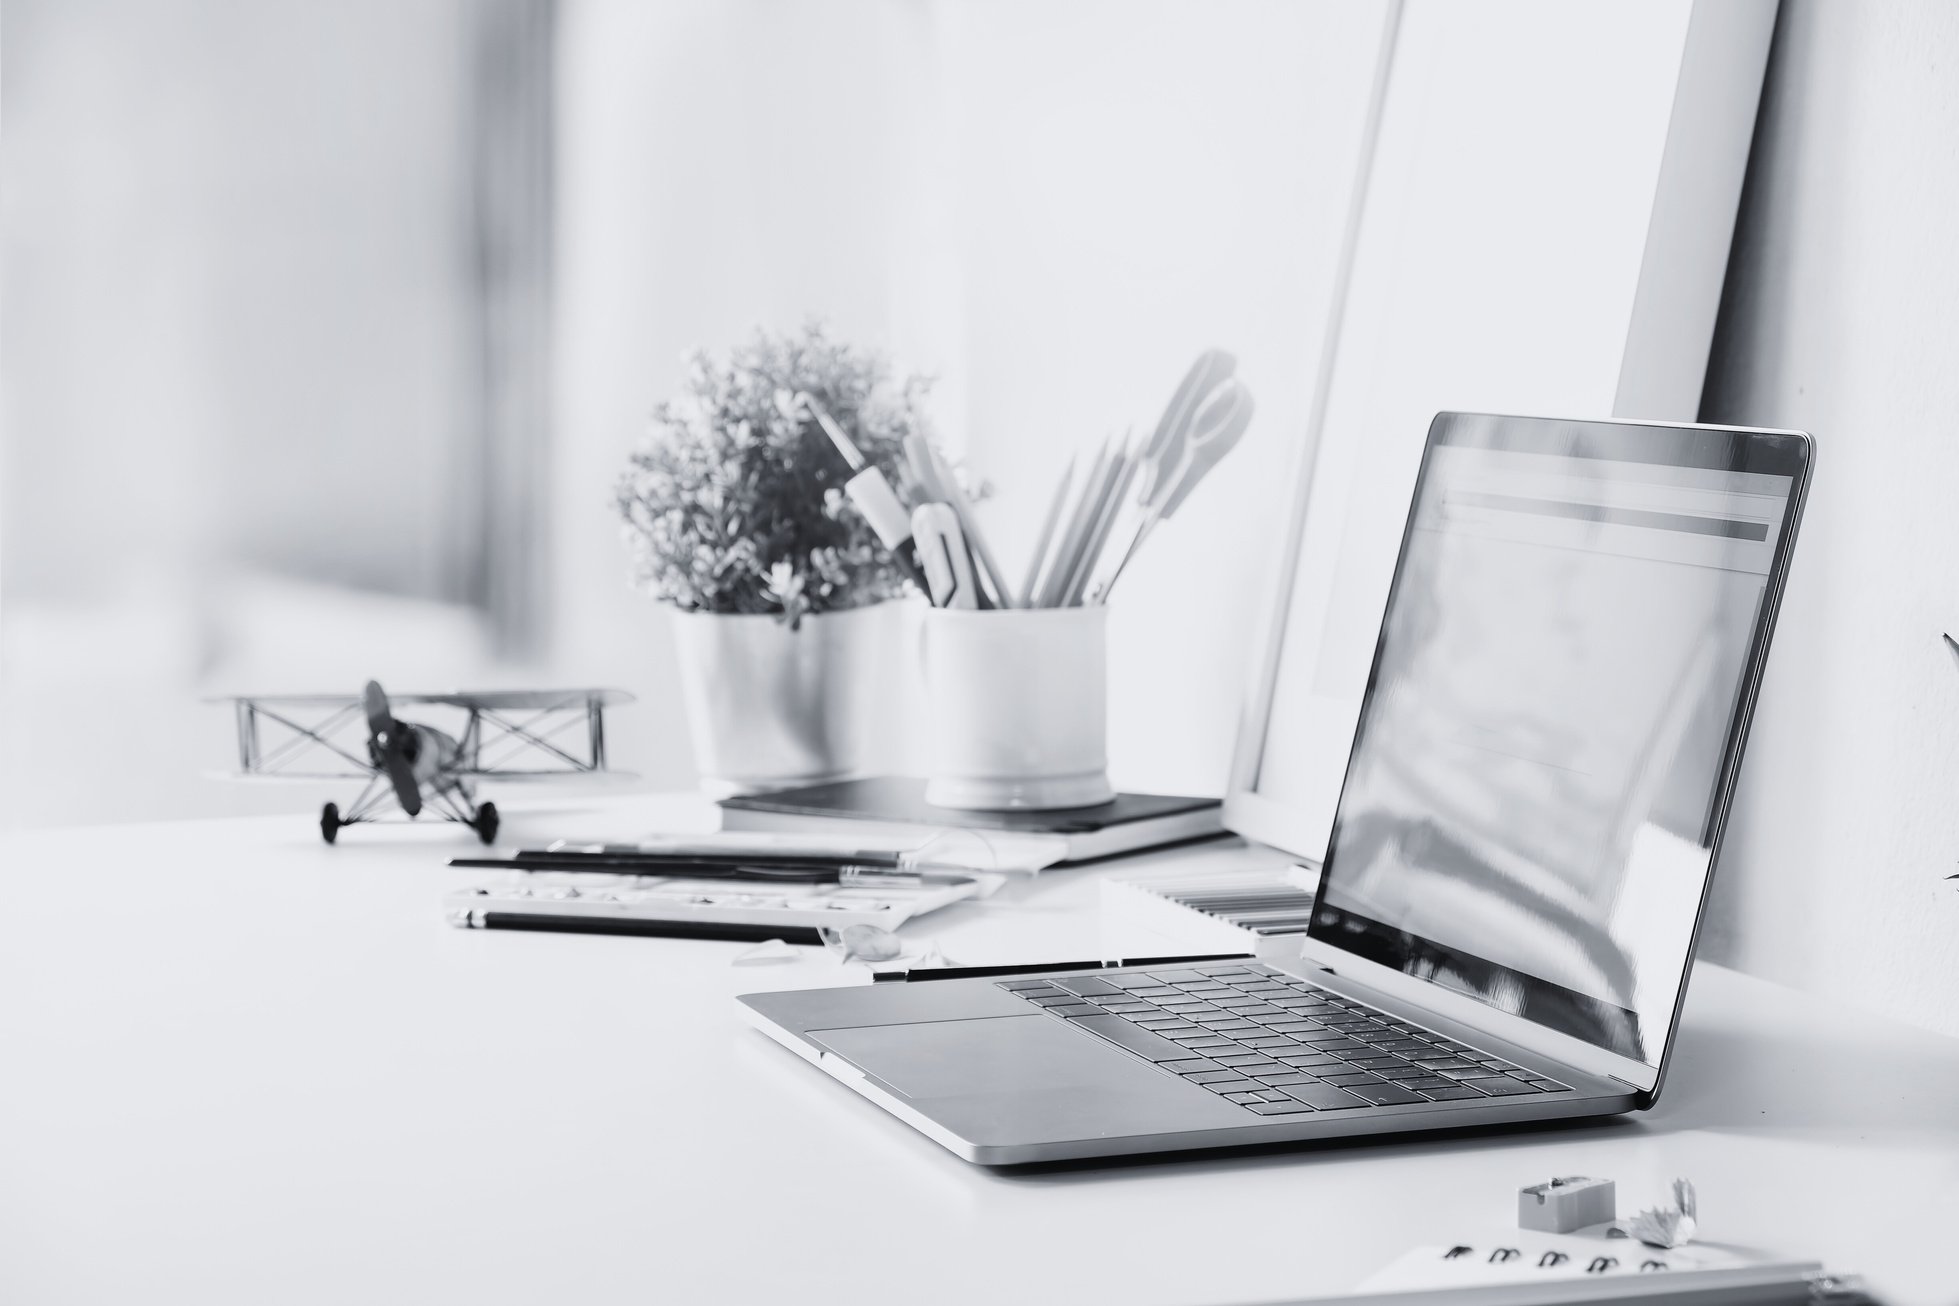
(1519, 1268)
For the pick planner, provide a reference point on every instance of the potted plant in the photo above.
(736, 517)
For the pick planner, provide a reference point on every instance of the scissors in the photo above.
(1192, 448)
(1167, 444)
(1213, 433)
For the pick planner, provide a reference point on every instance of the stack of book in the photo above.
(894, 806)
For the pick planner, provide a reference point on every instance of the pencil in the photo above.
(1030, 595)
(1055, 581)
(1131, 461)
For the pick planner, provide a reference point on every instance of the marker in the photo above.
(940, 485)
(948, 565)
(867, 490)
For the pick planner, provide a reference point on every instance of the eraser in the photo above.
(1566, 1204)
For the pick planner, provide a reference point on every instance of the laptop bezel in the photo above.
(1564, 1048)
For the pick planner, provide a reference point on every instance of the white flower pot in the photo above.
(770, 707)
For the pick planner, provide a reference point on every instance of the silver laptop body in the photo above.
(1513, 886)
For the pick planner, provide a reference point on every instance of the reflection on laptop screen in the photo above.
(1537, 781)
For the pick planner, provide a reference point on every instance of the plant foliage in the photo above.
(732, 506)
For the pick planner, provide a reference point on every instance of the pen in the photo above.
(869, 492)
(1039, 967)
(779, 872)
(706, 851)
(483, 918)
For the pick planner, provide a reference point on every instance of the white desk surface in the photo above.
(241, 1066)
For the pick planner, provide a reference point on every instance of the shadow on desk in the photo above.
(1864, 1080)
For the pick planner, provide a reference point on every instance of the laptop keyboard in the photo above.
(1273, 1043)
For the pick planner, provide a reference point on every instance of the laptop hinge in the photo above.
(1317, 960)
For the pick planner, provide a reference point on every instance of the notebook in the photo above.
(1511, 1267)
(692, 908)
(894, 804)
(1215, 908)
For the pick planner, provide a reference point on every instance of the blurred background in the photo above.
(328, 328)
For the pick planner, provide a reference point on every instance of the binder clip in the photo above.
(1566, 1204)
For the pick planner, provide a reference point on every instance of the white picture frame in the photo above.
(1541, 225)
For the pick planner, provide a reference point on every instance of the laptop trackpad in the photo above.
(999, 1054)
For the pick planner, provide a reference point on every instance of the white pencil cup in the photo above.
(1017, 708)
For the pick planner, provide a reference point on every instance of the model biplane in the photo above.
(500, 735)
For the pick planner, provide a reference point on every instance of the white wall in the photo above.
(235, 297)
(1142, 182)
(235, 339)
(721, 166)
(1054, 224)
(1843, 319)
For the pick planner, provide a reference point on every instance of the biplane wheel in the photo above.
(486, 823)
(330, 822)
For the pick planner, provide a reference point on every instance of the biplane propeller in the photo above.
(519, 735)
(409, 755)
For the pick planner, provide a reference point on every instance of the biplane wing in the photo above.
(501, 699)
(502, 734)
(508, 734)
(508, 700)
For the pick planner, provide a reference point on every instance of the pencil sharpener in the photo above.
(1566, 1204)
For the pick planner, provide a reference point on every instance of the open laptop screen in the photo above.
(1554, 715)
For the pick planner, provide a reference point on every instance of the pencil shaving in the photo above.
(1671, 1225)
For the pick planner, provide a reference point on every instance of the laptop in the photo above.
(1514, 876)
